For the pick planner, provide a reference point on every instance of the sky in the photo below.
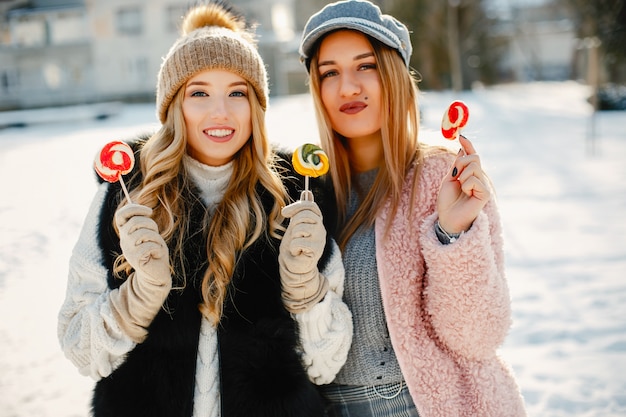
(559, 173)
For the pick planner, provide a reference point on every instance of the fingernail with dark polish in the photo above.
(454, 172)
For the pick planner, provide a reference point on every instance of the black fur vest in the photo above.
(260, 370)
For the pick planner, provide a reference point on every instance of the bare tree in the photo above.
(451, 41)
(604, 20)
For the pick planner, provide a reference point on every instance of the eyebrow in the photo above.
(356, 58)
(204, 83)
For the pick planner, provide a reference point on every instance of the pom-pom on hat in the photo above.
(213, 37)
(360, 15)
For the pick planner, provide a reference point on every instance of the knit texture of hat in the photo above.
(361, 15)
(213, 38)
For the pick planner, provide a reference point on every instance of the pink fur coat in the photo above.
(447, 306)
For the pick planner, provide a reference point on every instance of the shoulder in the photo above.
(431, 167)
(284, 168)
(423, 179)
(436, 158)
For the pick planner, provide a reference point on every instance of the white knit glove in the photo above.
(140, 297)
(300, 250)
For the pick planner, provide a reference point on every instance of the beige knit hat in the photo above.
(213, 37)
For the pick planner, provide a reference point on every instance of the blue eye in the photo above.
(238, 94)
(198, 94)
(367, 66)
(328, 74)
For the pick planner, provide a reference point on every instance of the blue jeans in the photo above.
(389, 400)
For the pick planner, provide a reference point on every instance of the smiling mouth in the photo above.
(219, 133)
(353, 107)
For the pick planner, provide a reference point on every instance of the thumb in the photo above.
(295, 208)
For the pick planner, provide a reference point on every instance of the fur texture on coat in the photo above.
(447, 306)
(261, 371)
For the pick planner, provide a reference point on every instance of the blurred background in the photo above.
(77, 74)
(67, 52)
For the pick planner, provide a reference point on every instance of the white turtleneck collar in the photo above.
(211, 181)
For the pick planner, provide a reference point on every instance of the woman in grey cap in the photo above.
(419, 231)
(198, 298)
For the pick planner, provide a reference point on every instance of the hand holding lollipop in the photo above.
(114, 160)
(454, 119)
(311, 161)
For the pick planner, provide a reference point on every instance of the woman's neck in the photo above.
(365, 153)
(211, 181)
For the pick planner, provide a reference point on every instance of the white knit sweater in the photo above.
(91, 338)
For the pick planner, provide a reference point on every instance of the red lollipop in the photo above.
(114, 160)
(454, 119)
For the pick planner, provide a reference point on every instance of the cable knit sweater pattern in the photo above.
(447, 306)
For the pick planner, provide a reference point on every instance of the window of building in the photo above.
(129, 21)
(68, 27)
(30, 31)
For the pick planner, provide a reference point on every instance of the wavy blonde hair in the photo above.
(239, 220)
(399, 131)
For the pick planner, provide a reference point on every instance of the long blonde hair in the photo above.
(239, 220)
(399, 130)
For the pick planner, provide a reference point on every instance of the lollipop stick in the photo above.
(125, 190)
(306, 195)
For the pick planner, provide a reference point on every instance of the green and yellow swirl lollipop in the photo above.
(311, 161)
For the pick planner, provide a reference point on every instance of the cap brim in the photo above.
(376, 31)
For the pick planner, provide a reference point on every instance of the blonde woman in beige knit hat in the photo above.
(197, 297)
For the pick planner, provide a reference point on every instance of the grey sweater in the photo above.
(371, 360)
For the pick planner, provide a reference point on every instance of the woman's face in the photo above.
(217, 116)
(350, 84)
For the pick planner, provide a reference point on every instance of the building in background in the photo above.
(61, 52)
(64, 52)
(541, 42)
(45, 55)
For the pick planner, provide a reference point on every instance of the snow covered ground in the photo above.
(563, 201)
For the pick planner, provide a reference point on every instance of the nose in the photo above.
(350, 85)
(218, 110)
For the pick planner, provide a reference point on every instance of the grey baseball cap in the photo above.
(360, 15)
